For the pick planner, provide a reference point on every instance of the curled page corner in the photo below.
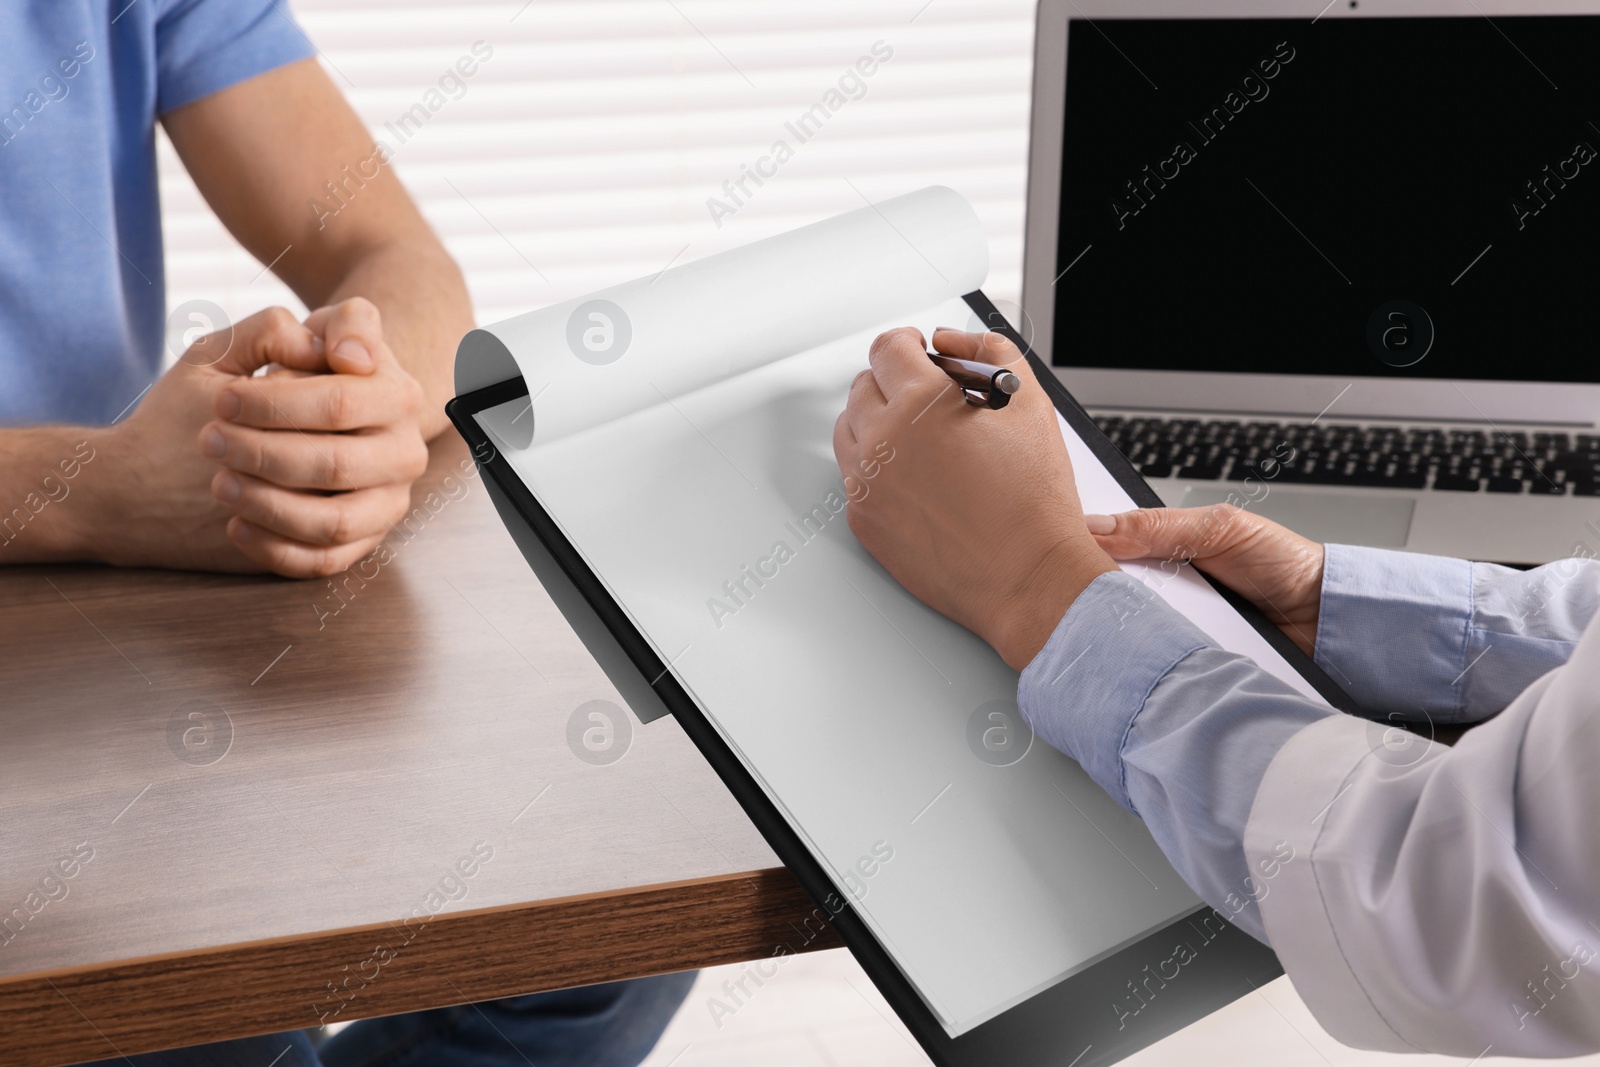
(596, 358)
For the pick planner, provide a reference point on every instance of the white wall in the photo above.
(584, 150)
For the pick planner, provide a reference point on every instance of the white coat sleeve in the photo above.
(1444, 900)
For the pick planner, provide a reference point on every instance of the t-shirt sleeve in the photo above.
(204, 46)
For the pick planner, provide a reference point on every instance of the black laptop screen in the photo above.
(1417, 197)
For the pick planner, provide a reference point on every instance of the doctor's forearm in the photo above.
(1429, 639)
(1422, 898)
(1172, 727)
(1443, 899)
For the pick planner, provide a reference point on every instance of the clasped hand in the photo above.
(301, 470)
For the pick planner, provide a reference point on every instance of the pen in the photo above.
(982, 384)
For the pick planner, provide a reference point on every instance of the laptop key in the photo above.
(1388, 457)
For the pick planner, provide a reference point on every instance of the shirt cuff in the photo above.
(1083, 690)
(1394, 629)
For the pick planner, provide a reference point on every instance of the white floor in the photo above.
(819, 1010)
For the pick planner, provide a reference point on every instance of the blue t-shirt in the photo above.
(82, 296)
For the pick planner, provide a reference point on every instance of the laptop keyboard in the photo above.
(1394, 457)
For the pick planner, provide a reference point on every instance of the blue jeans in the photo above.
(610, 1025)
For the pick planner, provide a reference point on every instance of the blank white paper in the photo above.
(697, 470)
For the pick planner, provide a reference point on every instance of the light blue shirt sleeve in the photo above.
(204, 46)
(1177, 730)
(1427, 639)
(1181, 732)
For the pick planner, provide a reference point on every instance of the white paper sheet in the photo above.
(865, 716)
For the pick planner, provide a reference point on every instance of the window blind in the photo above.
(601, 140)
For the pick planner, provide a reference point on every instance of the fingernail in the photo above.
(228, 489)
(242, 532)
(317, 344)
(354, 351)
(947, 329)
(212, 443)
(229, 405)
(1100, 524)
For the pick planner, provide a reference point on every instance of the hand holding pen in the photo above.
(982, 384)
(977, 515)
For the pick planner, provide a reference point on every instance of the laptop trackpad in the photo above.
(1341, 518)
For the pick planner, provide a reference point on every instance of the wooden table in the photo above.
(236, 805)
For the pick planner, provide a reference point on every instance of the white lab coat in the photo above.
(1445, 899)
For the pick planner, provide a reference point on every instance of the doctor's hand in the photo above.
(1273, 567)
(974, 511)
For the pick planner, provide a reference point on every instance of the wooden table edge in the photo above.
(124, 1007)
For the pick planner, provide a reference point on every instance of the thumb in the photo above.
(1170, 533)
(351, 332)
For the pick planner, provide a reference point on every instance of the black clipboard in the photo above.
(1099, 1015)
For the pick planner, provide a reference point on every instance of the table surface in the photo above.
(288, 802)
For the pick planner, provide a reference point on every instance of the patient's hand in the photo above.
(319, 467)
(1274, 568)
(976, 513)
(300, 472)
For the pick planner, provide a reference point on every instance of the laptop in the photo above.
(1335, 263)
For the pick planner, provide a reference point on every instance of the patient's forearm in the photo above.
(45, 477)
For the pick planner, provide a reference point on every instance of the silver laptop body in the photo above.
(1348, 442)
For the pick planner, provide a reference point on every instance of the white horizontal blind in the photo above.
(585, 148)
